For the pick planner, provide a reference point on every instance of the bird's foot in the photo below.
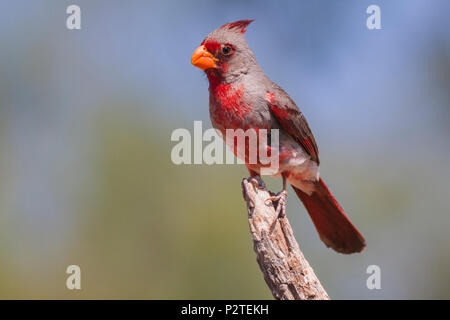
(280, 200)
(257, 181)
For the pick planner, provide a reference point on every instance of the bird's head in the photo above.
(224, 52)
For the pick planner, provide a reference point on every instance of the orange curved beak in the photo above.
(203, 59)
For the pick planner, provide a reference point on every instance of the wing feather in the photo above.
(292, 120)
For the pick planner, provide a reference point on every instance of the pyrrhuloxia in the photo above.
(242, 97)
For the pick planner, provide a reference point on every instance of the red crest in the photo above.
(240, 25)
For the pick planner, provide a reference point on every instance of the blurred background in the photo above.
(85, 123)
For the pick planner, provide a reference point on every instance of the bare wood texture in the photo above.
(285, 269)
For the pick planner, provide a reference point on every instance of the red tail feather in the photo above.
(332, 224)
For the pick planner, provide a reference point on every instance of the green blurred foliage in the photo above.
(147, 228)
(159, 230)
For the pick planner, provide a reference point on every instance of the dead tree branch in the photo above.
(285, 269)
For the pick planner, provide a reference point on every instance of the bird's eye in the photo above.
(226, 50)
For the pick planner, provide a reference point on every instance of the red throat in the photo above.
(230, 107)
(214, 77)
(229, 98)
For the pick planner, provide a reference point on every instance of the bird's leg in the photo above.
(252, 173)
(280, 198)
(256, 178)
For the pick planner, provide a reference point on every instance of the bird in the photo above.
(241, 96)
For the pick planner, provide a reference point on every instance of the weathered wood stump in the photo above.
(285, 269)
